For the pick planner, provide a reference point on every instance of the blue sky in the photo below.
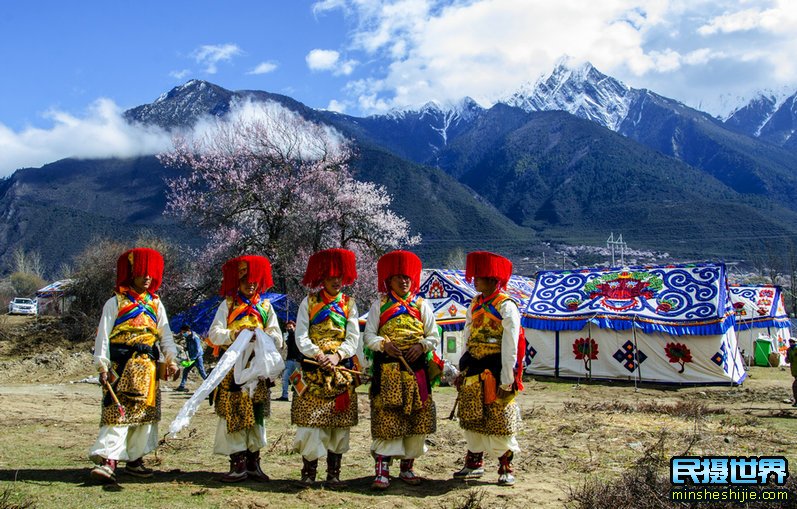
(70, 68)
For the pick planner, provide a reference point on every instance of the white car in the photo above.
(21, 306)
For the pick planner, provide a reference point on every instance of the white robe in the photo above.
(119, 442)
(313, 443)
(410, 446)
(252, 439)
(497, 445)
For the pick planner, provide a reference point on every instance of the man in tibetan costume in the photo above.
(402, 334)
(132, 336)
(490, 372)
(241, 430)
(327, 334)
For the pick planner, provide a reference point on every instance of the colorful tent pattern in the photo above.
(450, 295)
(758, 307)
(661, 324)
(674, 299)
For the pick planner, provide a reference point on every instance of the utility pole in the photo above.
(612, 243)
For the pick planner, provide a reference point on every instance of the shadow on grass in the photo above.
(204, 479)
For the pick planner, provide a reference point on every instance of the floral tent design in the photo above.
(671, 324)
(449, 295)
(760, 311)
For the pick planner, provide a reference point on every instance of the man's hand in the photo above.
(414, 352)
(391, 349)
(328, 361)
(103, 377)
(171, 370)
(458, 380)
(505, 391)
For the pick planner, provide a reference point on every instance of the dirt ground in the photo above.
(49, 414)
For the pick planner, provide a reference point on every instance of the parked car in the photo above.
(22, 306)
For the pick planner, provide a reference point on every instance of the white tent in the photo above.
(667, 324)
(450, 295)
(760, 314)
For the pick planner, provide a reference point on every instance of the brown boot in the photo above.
(333, 471)
(309, 469)
(253, 470)
(474, 466)
(382, 470)
(505, 477)
(407, 474)
(237, 471)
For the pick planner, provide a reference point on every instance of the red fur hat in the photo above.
(254, 268)
(399, 263)
(138, 262)
(489, 265)
(330, 263)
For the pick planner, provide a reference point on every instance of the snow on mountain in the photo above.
(580, 90)
(441, 118)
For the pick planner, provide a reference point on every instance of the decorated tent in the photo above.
(200, 316)
(54, 299)
(670, 324)
(760, 316)
(449, 295)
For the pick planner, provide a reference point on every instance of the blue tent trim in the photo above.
(606, 322)
(784, 323)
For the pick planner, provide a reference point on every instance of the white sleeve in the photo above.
(167, 339)
(219, 334)
(509, 341)
(370, 336)
(468, 329)
(272, 327)
(302, 334)
(349, 346)
(102, 356)
(431, 339)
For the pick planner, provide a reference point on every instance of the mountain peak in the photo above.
(579, 89)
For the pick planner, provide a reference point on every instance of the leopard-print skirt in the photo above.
(501, 417)
(397, 410)
(237, 408)
(136, 409)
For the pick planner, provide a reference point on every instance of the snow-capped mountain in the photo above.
(770, 115)
(582, 91)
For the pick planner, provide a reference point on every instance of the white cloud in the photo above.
(181, 74)
(445, 49)
(102, 132)
(329, 60)
(322, 59)
(336, 106)
(210, 55)
(264, 68)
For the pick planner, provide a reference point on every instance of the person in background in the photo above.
(193, 347)
(791, 358)
(291, 358)
(132, 334)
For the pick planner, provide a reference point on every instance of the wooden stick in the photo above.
(115, 399)
(406, 364)
(453, 413)
(344, 368)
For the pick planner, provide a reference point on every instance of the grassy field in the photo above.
(574, 436)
